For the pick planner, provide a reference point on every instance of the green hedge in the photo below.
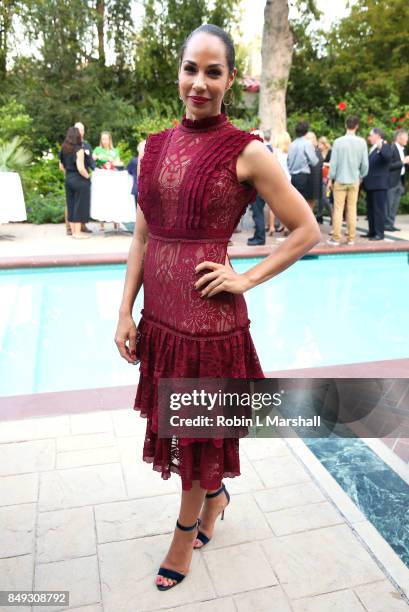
(45, 209)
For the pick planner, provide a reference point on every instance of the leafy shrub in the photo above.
(44, 176)
(14, 121)
(45, 209)
(13, 156)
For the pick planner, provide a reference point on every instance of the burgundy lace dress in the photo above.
(192, 201)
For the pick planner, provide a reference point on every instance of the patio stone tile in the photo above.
(84, 441)
(27, 457)
(263, 600)
(383, 551)
(243, 523)
(88, 456)
(65, 534)
(34, 429)
(280, 471)
(320, 561)
(128, 422)
(91, 422)
(261, 448)
(16, 573)
(239, 568)
(130, 450)
(380, 597)
(222, 604)
(91, 608)
(340, 601)
(17, 525)
(303, 518)
(142, 481)
(136, 518)
(18, 489)
(248, 480)
(78, 576)
(81, 486)
(288, 496)
(140, 478)
(128, 571)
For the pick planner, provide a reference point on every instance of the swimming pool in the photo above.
(57, 324)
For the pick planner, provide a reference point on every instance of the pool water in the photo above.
(57, 324)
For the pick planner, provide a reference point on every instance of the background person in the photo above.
(89, 165)
(280, 150)
(133, 170)
(376, 183)
(77, 182)
(325, 200)
(257, 207)
(301, 157)
(348, 166)
(316, 171)
(106, 157)
(396, 178)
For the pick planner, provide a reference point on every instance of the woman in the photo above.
(316, 171)
(132, 169)
(280, 149)
(77, 182)
(105, 155)
(106, 158)
(195, 182)
(325, 148)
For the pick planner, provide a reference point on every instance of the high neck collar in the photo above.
(204, 123)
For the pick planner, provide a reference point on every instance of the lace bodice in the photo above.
(188, 186)
(192, 201)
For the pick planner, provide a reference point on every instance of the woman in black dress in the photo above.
(77, 182)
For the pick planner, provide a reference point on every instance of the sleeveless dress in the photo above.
(192, 201)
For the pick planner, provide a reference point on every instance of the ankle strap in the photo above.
(216, 492)
(184, 528)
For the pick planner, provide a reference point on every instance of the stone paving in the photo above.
(26, 239)
(81, 512)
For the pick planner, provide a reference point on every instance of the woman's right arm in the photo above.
(126, 329)
(80, 164)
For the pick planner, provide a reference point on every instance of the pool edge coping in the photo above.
(238, 252)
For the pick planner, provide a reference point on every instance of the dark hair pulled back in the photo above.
(210, 28)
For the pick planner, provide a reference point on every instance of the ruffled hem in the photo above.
(164, 353)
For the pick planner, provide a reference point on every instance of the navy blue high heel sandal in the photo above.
(200, 535)
(173, 574)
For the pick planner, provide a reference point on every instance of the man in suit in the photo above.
(376, 183)
(396, 178)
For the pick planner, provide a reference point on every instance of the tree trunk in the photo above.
(100, 8)
(6, 15)
(276, 56)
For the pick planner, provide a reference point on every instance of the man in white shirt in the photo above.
(396, 178)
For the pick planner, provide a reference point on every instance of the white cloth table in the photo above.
(12, 205)
(111, 198)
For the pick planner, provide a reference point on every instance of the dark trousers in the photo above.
(78, 197)
(324, 202)
(376, 207)
(257, 208)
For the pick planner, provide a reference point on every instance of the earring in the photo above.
(231, 98)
